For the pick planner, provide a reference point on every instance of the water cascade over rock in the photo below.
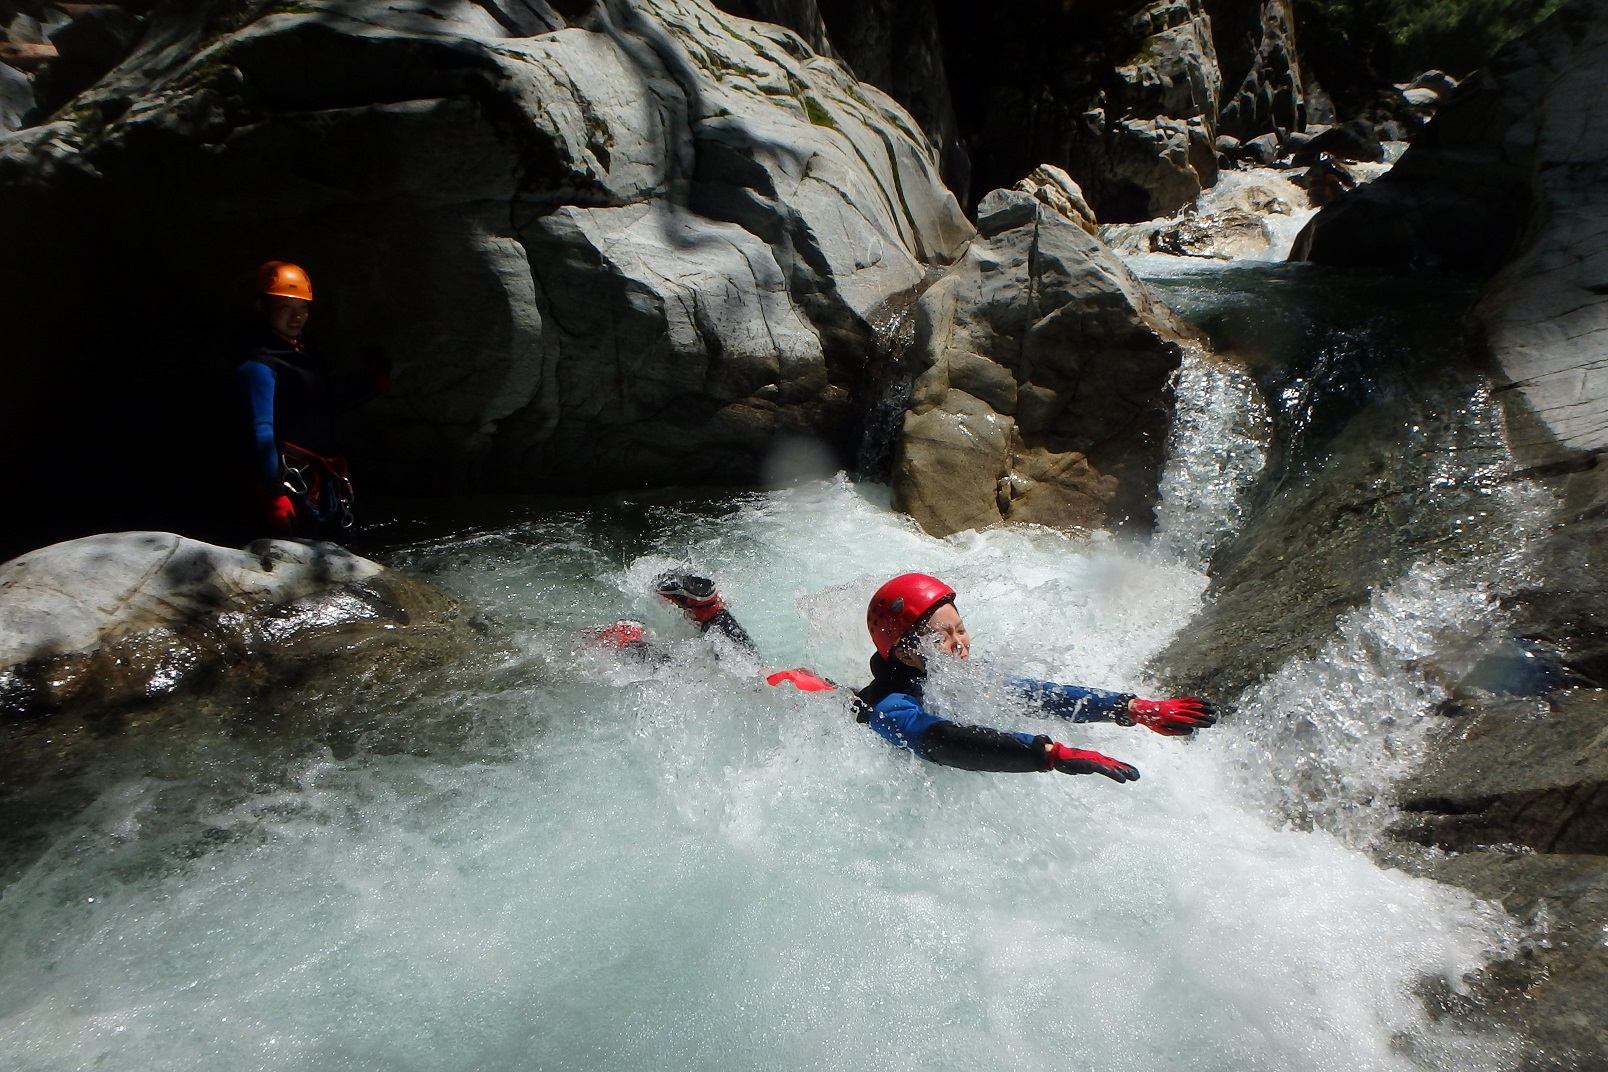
(1507, 179)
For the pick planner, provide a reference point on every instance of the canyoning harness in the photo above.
(320, 487)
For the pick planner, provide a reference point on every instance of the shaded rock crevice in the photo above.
(512, 217)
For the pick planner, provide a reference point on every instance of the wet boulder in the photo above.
(1235, 224)
(108, 622)
(1433, 86)
(1042, 377)
(1519, 771)
(1324, 180)
(1548, 994)
(1219, 235)
(1263, 150)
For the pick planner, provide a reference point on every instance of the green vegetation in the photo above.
(818, 113)
(1472, 29)
(1352, 43)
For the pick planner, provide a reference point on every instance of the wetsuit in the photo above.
(892, 705)
(289, 401)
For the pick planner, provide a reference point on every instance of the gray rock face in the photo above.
(803, 17)
(1050, 410)
(105, 622)
(1549, 995)
(1125, 96)
(95, 40)
(1354, 140)
(1053, 187)
(16, 97)
(895, 45)
(1515, 151)
(1271, 97)
(1154, 129)
(635, 249)
(1524, 772)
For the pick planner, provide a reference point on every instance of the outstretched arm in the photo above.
(1172, 718)
(905, 723)
(1074, 702)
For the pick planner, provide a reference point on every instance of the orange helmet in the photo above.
(284, 280)
(901, 605)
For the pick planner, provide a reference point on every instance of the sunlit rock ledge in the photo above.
(106, 622)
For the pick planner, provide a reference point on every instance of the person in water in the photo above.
(302, 485)
(914, 615)
(909, 616)
(697, 598)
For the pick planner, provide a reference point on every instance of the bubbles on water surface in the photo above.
(671, 865)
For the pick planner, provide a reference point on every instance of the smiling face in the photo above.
(944, 628)
(286, 316)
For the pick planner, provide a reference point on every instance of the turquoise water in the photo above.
(553, 859)
(550, 857)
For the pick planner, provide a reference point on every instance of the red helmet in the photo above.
(901, 605)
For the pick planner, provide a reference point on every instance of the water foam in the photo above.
(563, 861)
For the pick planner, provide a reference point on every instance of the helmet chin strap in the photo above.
(910, 651)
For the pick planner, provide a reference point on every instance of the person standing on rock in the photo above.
(914, 615)
(303, 487)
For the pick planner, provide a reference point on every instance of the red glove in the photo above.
(1173, 718)
(802, 679)
(281, 514)
(1078, 761)
(622, 634)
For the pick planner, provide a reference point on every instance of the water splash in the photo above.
(547, 861)
(1217, 449)
(1252, 215)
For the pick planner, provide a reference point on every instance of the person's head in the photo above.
(285, 298)
(910, 609)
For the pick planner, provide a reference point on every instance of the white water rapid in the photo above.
(559, 860)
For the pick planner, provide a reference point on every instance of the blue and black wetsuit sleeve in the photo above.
(902, 721)
(1074, 702)
(257, 384)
